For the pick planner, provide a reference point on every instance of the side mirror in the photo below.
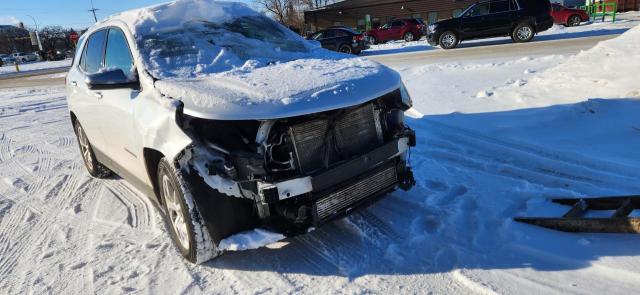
(111, 79)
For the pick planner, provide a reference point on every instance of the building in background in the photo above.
(366, 14)
(570, 3)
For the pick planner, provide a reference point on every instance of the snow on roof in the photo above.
(173, 15)
(223, 59)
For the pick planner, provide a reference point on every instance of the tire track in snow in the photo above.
(600, 168)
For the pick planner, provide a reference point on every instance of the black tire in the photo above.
(448, 40)
(186, 225)
(408, 37)
(523, 32)
(94, 167)
(373, 40)
(574, 20)
(344, 48)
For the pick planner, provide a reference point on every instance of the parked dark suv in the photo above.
(519, 19)
(341, 39)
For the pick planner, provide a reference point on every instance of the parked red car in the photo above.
(409, 29)
(568, 17)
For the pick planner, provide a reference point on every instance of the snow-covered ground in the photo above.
(625, 21)
(33, 66)
(524, 129)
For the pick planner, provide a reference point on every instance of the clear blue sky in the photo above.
(67, 13)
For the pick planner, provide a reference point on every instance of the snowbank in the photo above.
(609, 70)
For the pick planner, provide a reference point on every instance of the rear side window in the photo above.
(91, 61)
(118, 55)
(341, 33)
(397, 23)
(499, 6)
(329, 34)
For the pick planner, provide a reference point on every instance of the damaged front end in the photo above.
(300, 172)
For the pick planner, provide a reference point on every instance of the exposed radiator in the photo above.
(355, 131)
(355, 192)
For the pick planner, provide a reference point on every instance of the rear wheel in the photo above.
(373, 40)
(95, 168)
(346, 49)
(574, 20)
(522, 33)
(408, 37)
(186, 225)
(448, 40)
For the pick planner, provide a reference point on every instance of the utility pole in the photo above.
(93, 9)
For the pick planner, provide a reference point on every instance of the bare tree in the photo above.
(55, 37)
(276, 8)
(291, 12)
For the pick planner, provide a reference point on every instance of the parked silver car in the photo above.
(25, 57)
(6, 59)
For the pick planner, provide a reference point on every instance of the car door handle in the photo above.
(74, 83)
(97, 95)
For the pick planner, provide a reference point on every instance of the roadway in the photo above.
(492, 49)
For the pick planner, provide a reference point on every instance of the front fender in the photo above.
(158, 126)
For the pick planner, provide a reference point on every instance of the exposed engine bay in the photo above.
(303, 171)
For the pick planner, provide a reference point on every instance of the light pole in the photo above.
(37, 34)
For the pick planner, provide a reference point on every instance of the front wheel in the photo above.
(574, 20)
(408, 37)
(448, 40)
(522, 33)
(186, 225)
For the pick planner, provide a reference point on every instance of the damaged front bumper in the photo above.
(296, 173)
(342, 188)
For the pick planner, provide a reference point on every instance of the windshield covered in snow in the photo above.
(201, 47)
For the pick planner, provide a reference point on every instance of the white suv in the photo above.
(229, 121)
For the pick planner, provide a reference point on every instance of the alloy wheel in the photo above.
(175, 212)
(574, 21)
(408, 37)
(448, 40)
(85, 148)
(524, 33)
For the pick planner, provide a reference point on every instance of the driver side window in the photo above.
(92, 58)
(318, 35)
(479, 10)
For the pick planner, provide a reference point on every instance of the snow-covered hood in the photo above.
(286, 89)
